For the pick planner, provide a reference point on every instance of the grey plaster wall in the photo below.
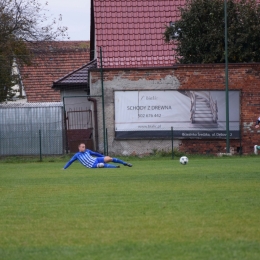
(128, 147)
(77, 100)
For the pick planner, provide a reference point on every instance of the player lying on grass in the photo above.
(257, 147)
(84, 156)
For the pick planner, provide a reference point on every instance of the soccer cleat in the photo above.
(255, 149)
(118, 166)
(128, 164)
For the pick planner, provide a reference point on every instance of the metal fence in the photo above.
(31, 128)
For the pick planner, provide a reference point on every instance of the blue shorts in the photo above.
(99, 162)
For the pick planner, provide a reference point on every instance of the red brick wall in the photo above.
(132, 74)
(243, 77)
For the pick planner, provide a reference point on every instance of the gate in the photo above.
(79, 129)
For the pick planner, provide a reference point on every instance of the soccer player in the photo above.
(257, 147)
(85, 157)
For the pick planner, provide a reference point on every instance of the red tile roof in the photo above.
(52, 60)
(130, 32)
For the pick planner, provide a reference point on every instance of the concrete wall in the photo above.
(75, 99)
(243, 77)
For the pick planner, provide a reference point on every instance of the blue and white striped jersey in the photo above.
(85, 158)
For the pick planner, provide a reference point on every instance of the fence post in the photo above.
(106, 143)
(65, 127)
(103, 100)
(40, 140)
(172, 143)
(240, 141)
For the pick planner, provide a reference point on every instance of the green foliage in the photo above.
(158, 209)
(22, 22)
(7, 79)
(198, 36)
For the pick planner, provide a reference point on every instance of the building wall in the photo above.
(17, 89)
(79, 118)
(75, 99)
(243, 77)
(129, 80)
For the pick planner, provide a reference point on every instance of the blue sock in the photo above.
(106, 165)
(115, 160)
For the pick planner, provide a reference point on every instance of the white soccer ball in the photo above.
(184, 160)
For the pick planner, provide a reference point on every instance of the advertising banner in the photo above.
(191, 114)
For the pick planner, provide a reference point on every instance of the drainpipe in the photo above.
(95, 121)
(65, 126)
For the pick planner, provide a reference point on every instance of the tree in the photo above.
(198, 36)
(22, 22)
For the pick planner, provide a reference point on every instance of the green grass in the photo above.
(159, 209)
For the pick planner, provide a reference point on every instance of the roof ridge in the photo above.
(59, 50)
(58, 46)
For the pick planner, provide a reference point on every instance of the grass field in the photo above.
(159, 209)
